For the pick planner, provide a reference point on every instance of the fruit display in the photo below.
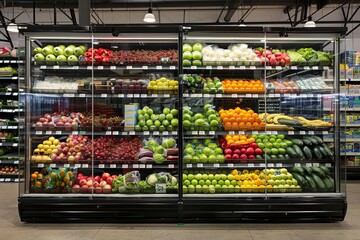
(282, 86)
(59, 55)
(235, 181)
(58, 121)
(6, 136)
(241, 119)
(130, 86)
(158, 150)
(207, 151)
(7, 71)
(9, 170)
(240, 147)
(193, 83)
(213, 85)
(243, 86)
(98, 56)
(163, 85)
(55, 84)
(314, 178)
(97, 184)
(148, 120)
(149, 57)
(236, 54)
(192, 54)
(206, 120)
(279, 119)
(273, 57)
(53, 181)
(273, 146)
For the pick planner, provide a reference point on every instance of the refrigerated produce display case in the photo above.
(181, 124)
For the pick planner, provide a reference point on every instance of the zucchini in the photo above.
(307, 170)
(319, 183)
(323, 151)
(328, 183)
(325, 169)
(331, 180)
(291, 152)
(318, 171)
(281, 157)
(288, 142)
(289, 122)
(317, 153)
(310, 181)
(299, 152)
(318, 139)
(298, 142)
(287, 157)
(307, 152)
(313, 140)
(327, 149)
(274, 157)
(301, 180)
(298, 170)
(307, 142)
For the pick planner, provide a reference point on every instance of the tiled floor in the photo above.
(12, 229)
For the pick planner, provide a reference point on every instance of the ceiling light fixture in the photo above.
(242, 24)
(310, 23)
(149, 17)
(12, 27)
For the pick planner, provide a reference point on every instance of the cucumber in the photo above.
(298, 170)
(258, 157)
(331, 180)
(274, 157)
(313, 140)
(323, 151)
(298, 142)
(307, 170)
(317, 153)
(307, 142)
(287, 157)
(319, 183)
(310, 181)
(318, 171)
(299, 152)
(327, 149)
(288, 142)
(307, 152)
(328, 183)
(325, 169)
(301, 180)
(291, 152)
(281, 157)
(318, 139)
(289, 122)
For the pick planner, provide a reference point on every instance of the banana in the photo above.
(269, 118)
(275, 119)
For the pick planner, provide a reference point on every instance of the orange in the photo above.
(251, 140)
(255, 115)
(235, 125)
(225, 120)
(230, 141)
(237, 110)
(242, 124)
(223, 115)
(256, 125)
(251, 111)
(248, 126)
(242, 142)
(238, 120)
(38, 184)
(233, 120)
(228, 137)
(62, 173)
(238, 142)
(251, 120)
(33, 176)
(243, 137)
(227, 126)
(245, 120)
(221, 111)
(235, 137)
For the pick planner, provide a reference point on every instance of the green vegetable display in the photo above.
(296, 58)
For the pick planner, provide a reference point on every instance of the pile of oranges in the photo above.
(239, 139)
(240, 119)
(243, 86)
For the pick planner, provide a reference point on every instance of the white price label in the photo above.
(144, 95)
(316, 164)
(216, 165)
(186, 95)
(271, 95)
(278, 67)
(200, 165)
(7, 179)
(269, 67)
(297, 164)
(104, 95)
(148, 165)
(231, 67)
(201, 132)
(255, 132)
(315, 68)
(142, 166)
(1, 179)
(53, 165)
(156, 133)
(294, 67)
(146, 133)
(16, 162)
(125, 166)
(327, 164)
(160, 187)
(165, 133)
(16, 180)
(309, 164)
(241, 132)
(325, 68)
(124, 133)
(8, 94)
(189, 165)
(230, 165)
(100, 67)
(306, 67)
(268, 132)
(325, 132)
(132, 133)
(270, 165)
(218, 95)
(145, 67)
(310, 95)
(255, 95)
(302, 132)
(128, 67)
(262, 165)
(1, 144)
(130, 95)
(75, 67)
(108, 133)
(66, 165)
(234, 95)
(85, 165)
(208, 67)
(121, 95)
(206, 95)
(77, 165)
(231, 132)
(274, 132)
(171, 166)
(135, 165)
(101, 165)
(220, 67)
(242, 67)
(166, 95)
(172, 67)
(136, 95)
(251, 165)
(155, 95)
(211, 132)
(75, 132)
(158, 67)
(82, 95)
(58, 132)
(194, 132)
(38, 132)
(89, 67)
(174, 133)
(311, 133)
(291, 132)
(193, 67)
(278, 164)
(41, 165)
(112, 67)
(56, 67)
(252, 67)
(112, 165)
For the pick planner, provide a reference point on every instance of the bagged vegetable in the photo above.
(128, 183)
(168, 143)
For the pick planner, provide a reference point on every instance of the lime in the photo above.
(281, 136)
(261, 136)
(277, 145)
(274, 151)
(272, 140)
(282, 151)
(283, 145)
(258, 140)
(261, 145)
(278, 140)
(269, 145)
(186, 123)
(157, 123)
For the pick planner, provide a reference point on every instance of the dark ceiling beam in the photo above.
(233, 5)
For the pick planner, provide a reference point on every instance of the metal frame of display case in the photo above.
(278, 207)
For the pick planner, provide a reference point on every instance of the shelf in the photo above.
(9, 78)
(110, 195)
(61, 67)
(10, 179)
(256, 68)
(11, 110)
(342, 140)
(9, 162)
(342, 80)
(9, 144)
(9, 93)
(10, 60)
(261, 195)
(137, 165)
(107, 133)
(5, 175)
(9, 127)
(107, 95)
(216, 133)
(278, 164)
(252, 95)
(350, 154)
(350, 125)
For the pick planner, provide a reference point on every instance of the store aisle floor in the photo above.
(12, 229)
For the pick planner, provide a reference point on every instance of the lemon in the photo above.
(40, 146)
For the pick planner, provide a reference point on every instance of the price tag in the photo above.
(194, 132)
(108, 133)
(145, 67)
(148, 165)
(311, 133)
(125, 166)
(220, 67)
(302, 132)
(38, 132)
(270, 165)
(241, 132)
(75, 67)
(255, 95)
(121, 95)
(146, 133)
(218, 95)
(309, 164)
(158, 67)
(206, 95)
(189, 165)
(16, 180)
(234, 95)
(293, 67)
(154, 95)
(172, 67)
(315, 68)
(1, 144)
(251, 165)
(230, 165)
(8, 94)
(278, 164)
(75, 132)
(128, 67)
(112, 165)
(310, 95)
(208, 67)
(53, 165)
(156, 133)
(58, 132)
(132, 133)
(56, 67)
(124, 133)
(144, 95)
(77, 165)
(278, 67)
(306, 67)
(7, 179)
(160, 187)
(325, 132)
(268, 132)
(193, 67)
(200, 165)
(268, 67)
(327, 164)
(186, 95)
(42, 67)
(41, 165)
(253, 67)
(1, 179)
(66, 165)
(211, 132)
(325, 68)
(85, 165)
(165, 133)
(135, 165)
(291, 132)
(255, 132)
(171, 166)
(216, 165)
(271, 95)
(112, 67)
(101, 165)
(104, 95)
(297, 164)
(201, 132)
(274, 132)
(142, 166)
(89, 67)
(316, 164)
(262, 165)
(15, 144)
(166, 95)
(174, 133)
(15, 94)
(231, 132)
(136, 95)
(100, 67)
(130, 95)
(303, 95)
(16, 162)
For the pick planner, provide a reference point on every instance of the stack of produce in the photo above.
(44, 151)
(148, 120)
(158, 151)
(241, 119)
(163, 85)
(273, 146)
(9, 170)
(240, 147)
(314, 58)
(7, 71)
(59, 55)
(6, 135)
(124, 57)
(130, 86)
(192, 54)
(213, 85)
(273, 57)
(98, 56)
(280, 120)
(206, 120)
(59, 121)
(50, 180)
(280, 180)
(314, 179)
(193, 84)
(207, 151)
(97, 184)
(243, 86)
(284, 86)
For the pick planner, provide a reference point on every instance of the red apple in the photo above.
(97, 179)
(237, 151)
(228, 156)
(243, 156)
(243, 150)
(109, 180)
(75, 188)
(84, 189)
(98, 189)
(250, 151)
(96, 184)
(89, 183)
(235, 156)
(107, 188)
(63, 145)
(102, 183)
(114, 177)
(258, 151)
(105, 176)
(228, 151)
(254, 145)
